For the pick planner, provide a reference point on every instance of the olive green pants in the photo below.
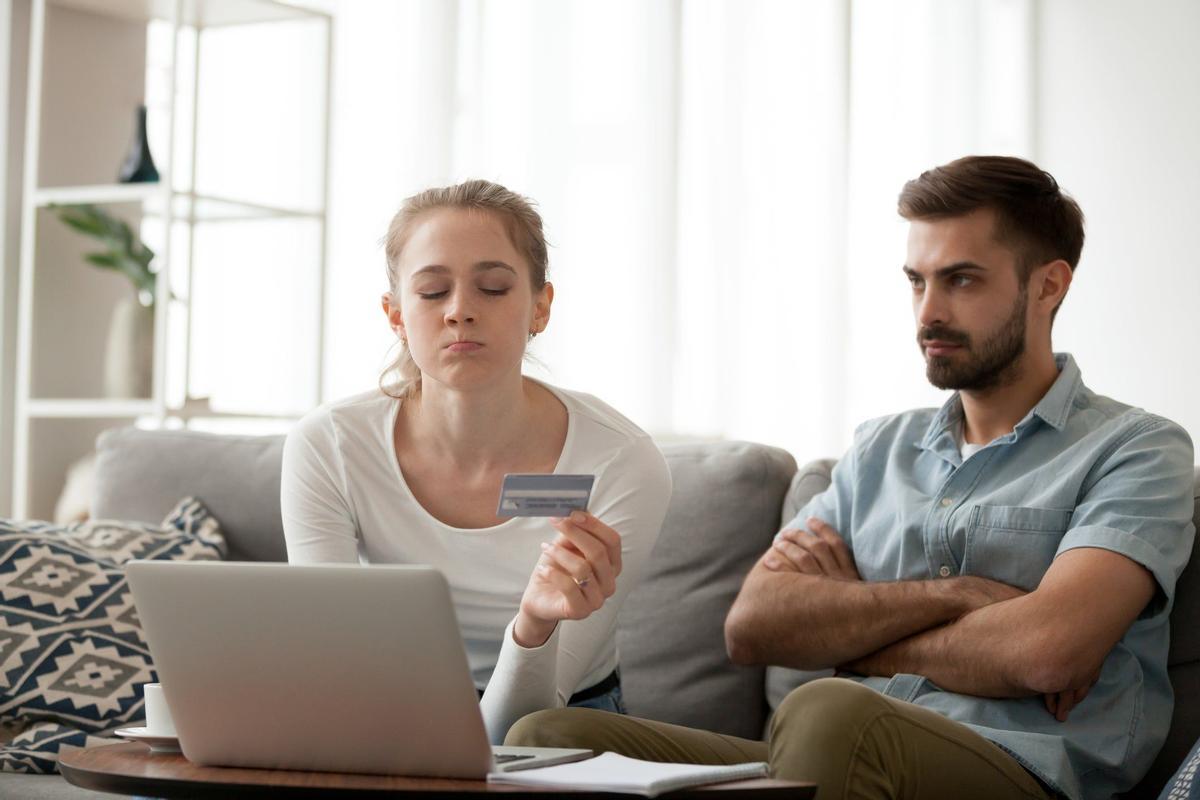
(849, 740)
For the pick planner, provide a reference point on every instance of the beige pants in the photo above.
(850, 740)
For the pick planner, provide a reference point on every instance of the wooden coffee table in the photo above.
(130, 768)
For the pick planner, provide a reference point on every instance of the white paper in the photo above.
(610, 772)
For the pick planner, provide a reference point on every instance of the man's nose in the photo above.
(931, 309)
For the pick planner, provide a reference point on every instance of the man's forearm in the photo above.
(814, 622)
(987, 653)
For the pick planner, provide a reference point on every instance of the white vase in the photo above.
(129, 358)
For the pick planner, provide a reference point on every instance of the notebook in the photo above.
(610, 772)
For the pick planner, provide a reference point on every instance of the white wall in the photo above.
(1119, 126)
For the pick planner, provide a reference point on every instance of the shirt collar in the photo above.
(1053, 409)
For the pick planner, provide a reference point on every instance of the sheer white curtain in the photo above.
(717, 178)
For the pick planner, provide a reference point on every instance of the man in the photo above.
(991, 580)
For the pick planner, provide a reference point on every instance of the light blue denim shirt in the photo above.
(1080, 470)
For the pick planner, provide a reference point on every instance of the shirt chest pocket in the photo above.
(1013, 544)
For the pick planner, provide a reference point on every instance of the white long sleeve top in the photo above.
(344, 499)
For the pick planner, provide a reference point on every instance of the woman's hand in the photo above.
(576, 573)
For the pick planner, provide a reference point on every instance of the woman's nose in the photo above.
(460, 308)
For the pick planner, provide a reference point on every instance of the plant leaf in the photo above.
(124, 251)
(105, 260)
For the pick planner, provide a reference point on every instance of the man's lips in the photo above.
(464, 346)
(936, 347)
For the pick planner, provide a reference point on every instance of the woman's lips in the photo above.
(464, 347)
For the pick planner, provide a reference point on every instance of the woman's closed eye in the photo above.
(436, 292)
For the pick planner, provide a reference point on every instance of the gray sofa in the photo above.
(729, 500)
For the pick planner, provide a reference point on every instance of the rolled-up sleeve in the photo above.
(1139, 502)
(833, 506)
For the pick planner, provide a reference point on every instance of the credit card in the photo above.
(545, 495)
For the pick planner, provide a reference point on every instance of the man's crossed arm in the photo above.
(804, 605)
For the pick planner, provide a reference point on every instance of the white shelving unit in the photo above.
(51, 430)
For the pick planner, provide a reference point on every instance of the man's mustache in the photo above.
(935, 333)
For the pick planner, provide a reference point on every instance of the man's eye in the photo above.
(917, 284)
(432, 295)
(961, 280)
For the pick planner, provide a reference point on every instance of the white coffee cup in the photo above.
(158, 715)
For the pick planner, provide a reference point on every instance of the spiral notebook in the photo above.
(610, 772)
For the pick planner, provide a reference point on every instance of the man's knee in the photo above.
(825, 706)
(819, 727)
(558, 727)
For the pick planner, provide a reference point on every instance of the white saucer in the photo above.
(158, 743)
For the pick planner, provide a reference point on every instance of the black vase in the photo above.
(138, 166)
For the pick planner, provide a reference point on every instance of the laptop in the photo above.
(334, 668)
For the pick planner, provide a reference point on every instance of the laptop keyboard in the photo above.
(508, 758)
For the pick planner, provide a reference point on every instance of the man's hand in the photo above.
(815, 551)
(1060, 704)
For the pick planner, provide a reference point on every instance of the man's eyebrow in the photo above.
(950, 269)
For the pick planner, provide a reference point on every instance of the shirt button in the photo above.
(946, 501)
(944, 571)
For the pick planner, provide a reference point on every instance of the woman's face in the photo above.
(465, 305)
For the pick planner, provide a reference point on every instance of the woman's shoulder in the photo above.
(589, 411)
(601, 435)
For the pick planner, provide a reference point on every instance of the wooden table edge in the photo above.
(87, 777)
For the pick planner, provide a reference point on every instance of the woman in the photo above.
(412, 473)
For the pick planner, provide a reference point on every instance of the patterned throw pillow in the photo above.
(1185, 784)
(72, 656)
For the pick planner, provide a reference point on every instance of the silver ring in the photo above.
(581, 583)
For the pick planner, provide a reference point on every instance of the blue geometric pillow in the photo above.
(1185, 785)
(72, 656)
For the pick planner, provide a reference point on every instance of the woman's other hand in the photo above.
(576, 573)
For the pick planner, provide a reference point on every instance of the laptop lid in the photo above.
(344, 668)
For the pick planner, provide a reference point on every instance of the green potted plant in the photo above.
(128, 368)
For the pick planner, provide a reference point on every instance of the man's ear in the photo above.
(391, 309)
(541, 308)
(1052, 287)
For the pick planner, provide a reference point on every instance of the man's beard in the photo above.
(994, 363)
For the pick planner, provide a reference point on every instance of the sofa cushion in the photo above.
(1184, 734)
(72, 657)
(723, 514)
(1185, 783)
(808, 482)
(1184, 669)
(140, 473)
(35, 750)
(1185, 639)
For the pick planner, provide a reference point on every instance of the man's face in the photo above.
(969, 304)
